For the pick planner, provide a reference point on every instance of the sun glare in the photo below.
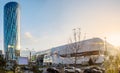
(114, 40)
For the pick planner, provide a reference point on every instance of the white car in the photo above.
(72, 69)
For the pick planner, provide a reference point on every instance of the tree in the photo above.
(74, 46)
(2, 61)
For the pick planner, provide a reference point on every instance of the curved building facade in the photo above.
(11, 29)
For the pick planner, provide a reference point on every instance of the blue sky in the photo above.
(49, 23)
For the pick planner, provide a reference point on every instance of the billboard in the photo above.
(22, 61)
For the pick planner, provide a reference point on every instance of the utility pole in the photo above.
(105, 47)
(82, 45)
(74, 35)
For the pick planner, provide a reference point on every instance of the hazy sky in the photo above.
(49, 23)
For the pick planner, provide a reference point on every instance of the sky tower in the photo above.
(11, 29)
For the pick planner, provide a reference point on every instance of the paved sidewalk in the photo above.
(28, 71)
(44, 70)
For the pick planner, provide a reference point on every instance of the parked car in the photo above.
(52, 70)
(94, 69)
(55, 68)
(72, 69)
(27, 68)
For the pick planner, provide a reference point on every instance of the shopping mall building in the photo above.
(95, 49)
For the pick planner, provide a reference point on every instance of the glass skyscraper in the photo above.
(11, 29)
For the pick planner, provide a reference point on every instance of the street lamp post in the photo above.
(30, 54)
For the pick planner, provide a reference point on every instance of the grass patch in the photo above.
(9, 72)
(2, 71)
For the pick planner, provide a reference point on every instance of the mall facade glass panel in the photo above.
(11, 29)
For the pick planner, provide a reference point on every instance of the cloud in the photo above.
(28, 35)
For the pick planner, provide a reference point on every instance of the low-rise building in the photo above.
(95, 49)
